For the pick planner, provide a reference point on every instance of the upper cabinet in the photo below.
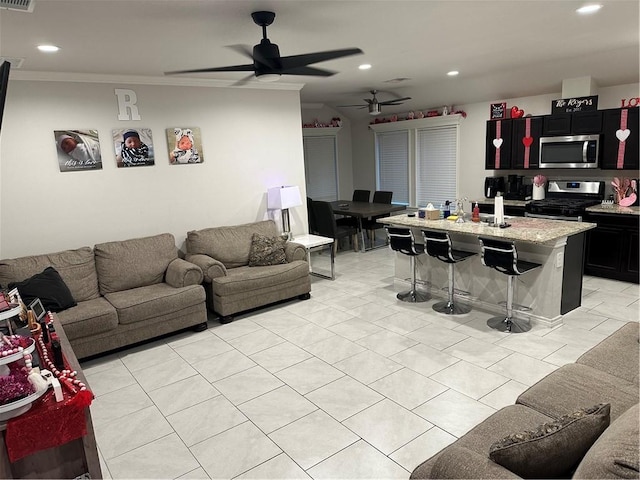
(556, 125)
(586, 123)
(620, 139)
(498, 144)
(525, 149)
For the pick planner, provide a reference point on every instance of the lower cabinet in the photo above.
(612, 247)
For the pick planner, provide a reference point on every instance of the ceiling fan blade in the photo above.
(395, 101)
(234, 68)
(305, 59)
(242, 50)
(318, 72)
(243, 81)
(356, 105)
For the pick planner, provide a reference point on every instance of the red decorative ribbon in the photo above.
(622, 143)
(526, 141)
(498, 134)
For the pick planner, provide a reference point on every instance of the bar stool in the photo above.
(503, 256)
(401, 240)
(438, 245)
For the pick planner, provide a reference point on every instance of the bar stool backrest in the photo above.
(501, 255)
(401, 240)
(438, 244)
(361, 195)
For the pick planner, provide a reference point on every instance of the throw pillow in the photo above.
(49, 287)
(553, 448)
(266, 251)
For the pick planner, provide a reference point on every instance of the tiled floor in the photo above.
(349, 384)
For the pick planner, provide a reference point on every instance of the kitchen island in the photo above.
(546, 293)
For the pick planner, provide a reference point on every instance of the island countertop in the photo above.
(523, 229)
(614, 209)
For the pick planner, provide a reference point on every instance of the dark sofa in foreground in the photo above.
(601, 442)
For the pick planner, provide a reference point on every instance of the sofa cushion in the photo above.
(553, 448)
(89, 318)
(134, 263)
(266, 251)
(617, 353)
(573, 386)
(230, 244)
(615, 453)
(76, 267)
(49, 287)
(139, 304)
(248, 279)
(460, 462)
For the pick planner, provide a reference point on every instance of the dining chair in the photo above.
(358, 196)
(327, 226)
(370, 224)
(311, 217)
(361, 195)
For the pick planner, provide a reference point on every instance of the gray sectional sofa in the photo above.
(600, 444)
(223, 254)
(126, 291)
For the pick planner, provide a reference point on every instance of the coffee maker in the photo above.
(516, 188)
(493, 185)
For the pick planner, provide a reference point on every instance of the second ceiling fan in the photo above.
(373, 104)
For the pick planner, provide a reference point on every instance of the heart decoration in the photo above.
(628, 201)
(623, 134)
(497, 142)
(527, 141)
(516, 112)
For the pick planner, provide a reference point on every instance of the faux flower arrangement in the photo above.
(539, 180)
(626, 191)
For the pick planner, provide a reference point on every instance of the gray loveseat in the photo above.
(608, 373)
(232, 285)
(126, 291)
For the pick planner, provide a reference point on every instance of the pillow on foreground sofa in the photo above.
(606, 374)
(233, 285)
(126, 291)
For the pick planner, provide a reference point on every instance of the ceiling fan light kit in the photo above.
(374, 105)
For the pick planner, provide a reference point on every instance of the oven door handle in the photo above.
(553, 217)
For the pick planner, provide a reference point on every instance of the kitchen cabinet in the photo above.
(612, 247)
(525, 138)
(511, 210)
(498, 144)
(556, 125)
(620, 124)
(586, 123)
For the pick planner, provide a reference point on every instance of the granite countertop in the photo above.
(524, 229)
(616, 209)
(508, 203)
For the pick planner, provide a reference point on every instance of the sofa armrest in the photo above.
(211, 268)
(460, 462)
(294, 251)
(181, 273)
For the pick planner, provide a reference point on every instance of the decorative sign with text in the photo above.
(498, 111)
(575, 104)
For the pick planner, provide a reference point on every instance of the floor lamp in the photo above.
(283, 198)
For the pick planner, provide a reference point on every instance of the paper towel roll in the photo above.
(498, 213)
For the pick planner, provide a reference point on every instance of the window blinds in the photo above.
(436, 153)
(392, 150)
(320, 168)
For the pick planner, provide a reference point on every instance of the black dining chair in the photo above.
(311, 217)
(361, 195)
(358, 196)
(327, 226)
(370, 224)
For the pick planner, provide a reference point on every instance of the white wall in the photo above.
(252, 140)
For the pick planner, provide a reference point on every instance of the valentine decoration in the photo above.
(575, 104)
(622, 134)
(497, 142)
(626, 191)
(497, 111)
(630, 102)
(527, 140)
(516, 112)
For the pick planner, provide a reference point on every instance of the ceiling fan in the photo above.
(268, 65)
(374, 105)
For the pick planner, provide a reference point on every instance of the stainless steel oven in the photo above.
(566, 200)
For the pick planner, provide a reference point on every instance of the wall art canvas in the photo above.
(78, 150)
(185, 145)
(134, 147)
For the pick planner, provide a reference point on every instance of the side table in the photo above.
(313, 243)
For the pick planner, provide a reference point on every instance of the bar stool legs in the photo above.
(413, 296)
(508, 323)
(449, 307)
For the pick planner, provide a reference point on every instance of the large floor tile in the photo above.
(334, 349)
(532, 345)
(280, 467)
(354, 329)
(480, 353)
(437, 337)
(119, 403)
(203, 349)
(236, 329)
(329, 316)
(466, 378)
(223, 365)
(313, 438)
(523, 369)
(386, 343)
(307, 334)
(163, 374)
(387, 426)
(407, 388)
(504, 395)
(424, 360)
(280, 356)
(147, 355)
(110, 380)
(344, 397)
(308, 375)
(368, 366)
(182, 394)
(255, 341)
(403, 322)
(422, 448)
(247, 384)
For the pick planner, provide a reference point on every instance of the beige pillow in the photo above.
(266, 251)
(554, 448)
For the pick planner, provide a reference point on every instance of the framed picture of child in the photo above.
(185, 145)
(134, 147)
(78, 150)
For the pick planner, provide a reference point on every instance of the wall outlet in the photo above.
(559, 259)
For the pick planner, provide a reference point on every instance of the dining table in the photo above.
(360, 210)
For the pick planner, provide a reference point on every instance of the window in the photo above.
(320, 167)
(417, 159)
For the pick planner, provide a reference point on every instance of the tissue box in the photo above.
(433, 214)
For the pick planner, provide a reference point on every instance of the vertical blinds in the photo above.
(320, 168)
(436, 165)
(393, 164)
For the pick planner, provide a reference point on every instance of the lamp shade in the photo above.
(283, 197)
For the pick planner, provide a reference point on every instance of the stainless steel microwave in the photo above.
(574, 151)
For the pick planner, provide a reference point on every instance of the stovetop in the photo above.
(560, 206)
(568, 198)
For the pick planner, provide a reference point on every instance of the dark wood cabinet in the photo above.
(619, 139)
(612, 247)
(498, 144)
(525, 148)
(511, 210)
(586, 123)
(555, 125)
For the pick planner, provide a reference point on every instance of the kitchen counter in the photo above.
(523, 229)
(615, 209)
(507, 203)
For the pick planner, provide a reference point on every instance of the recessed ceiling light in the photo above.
(365, 66)
(48, 48)
(589, 8)
(453, 73)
